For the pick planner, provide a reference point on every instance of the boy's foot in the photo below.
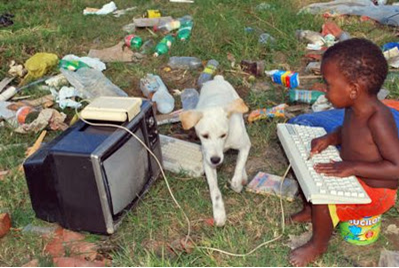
(305, 215)
(302, 256)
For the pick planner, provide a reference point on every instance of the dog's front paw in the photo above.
(237, 184)
(220, 217)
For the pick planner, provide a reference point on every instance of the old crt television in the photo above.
(88, 177)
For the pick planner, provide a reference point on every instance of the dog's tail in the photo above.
(218, 77)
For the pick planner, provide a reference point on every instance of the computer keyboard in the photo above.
(179, 155)
(318, 188)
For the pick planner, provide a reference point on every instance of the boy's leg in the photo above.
(305, 215)
(318, 244)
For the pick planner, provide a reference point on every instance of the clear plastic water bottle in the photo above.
(208, 72)
(147, 46)
(167, 26)
(189, 98)
(191, 63)
(164, 46)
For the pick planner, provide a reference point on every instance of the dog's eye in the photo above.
(205, 136)
(223, 136)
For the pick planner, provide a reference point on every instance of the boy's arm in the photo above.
(385, 135)
(335, 136)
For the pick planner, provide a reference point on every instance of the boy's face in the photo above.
(338, 87)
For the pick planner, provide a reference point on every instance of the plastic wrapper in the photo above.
(92, 83)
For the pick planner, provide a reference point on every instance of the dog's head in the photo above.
(212, 128)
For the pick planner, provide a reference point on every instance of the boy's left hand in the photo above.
(338, 169)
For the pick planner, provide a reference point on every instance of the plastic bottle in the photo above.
(133, 41)
(164, 46)
(191, 63)
(153, 87)
(208, 72)
(189, 98)
(184, 31)
(305, 96)
(167, 26)
(147, 46)
(255, 67)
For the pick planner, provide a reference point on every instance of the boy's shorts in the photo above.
(382, 199)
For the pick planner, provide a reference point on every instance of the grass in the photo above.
(59, 27)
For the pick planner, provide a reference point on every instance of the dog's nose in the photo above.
(215, 160)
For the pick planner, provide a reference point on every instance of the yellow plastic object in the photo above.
(39, 64)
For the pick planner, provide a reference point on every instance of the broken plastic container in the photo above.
(191, 63)
(189, 98)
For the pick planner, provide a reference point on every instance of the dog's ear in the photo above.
(237, 106)
(190, 118)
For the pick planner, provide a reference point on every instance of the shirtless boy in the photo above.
(354, 71)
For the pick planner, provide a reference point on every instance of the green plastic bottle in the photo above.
(133, 41)
(184, 31)
(305, 96)
(164, 46)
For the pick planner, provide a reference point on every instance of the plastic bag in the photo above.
(39, 64)
(92, 83)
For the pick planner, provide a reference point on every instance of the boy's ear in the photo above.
(354, 91)
(190, 118)
(236, 106)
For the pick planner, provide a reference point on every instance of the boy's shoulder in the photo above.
(382, 115)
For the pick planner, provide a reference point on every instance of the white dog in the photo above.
(219, 124)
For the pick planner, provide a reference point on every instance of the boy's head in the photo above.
(360, 61)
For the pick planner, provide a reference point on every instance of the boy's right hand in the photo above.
(317, 145)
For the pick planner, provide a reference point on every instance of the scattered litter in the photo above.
(7, 114)
(321, 104)
(153, 87)
(106, 9)
(45, 102)
(331, 27)
(304, 96)
(268, 184)
(117, 53)
(47, 117)
(121, 12)
(89, 61)
(256, 68)
(385, 14)
(296, 241)
(151, 22)
(266, 38)
(35, 146)
(164, 45)
(208, 72)
(392, 229)
(5, 20)
(191, 63)
(26, 114)
(16, 69)
(129, 28)
(382, 94)
(57, 81)
(40, 230)
(313, 67)
(5, 82)
(389, 258)
(152, 13)
(133, 41)
(313, 47)
(329, 40)
(314, 38)
(189, 98)
(92, 83)
(147, 46)
(65, 97)
(39, 64)
(276, 111)
(173, 117)
(5, 224)
(285, 78)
